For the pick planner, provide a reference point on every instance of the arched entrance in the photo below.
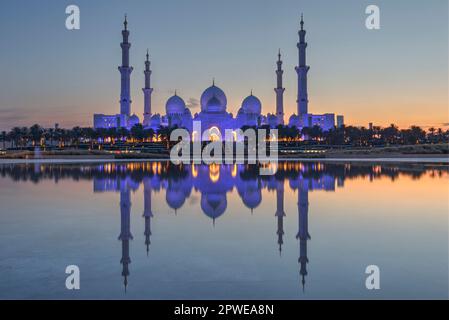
(214, 134)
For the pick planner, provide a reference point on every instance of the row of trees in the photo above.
(349, 135)
(376, 136)
(363, 137)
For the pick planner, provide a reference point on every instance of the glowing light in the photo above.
(234, 171)
(214, 134)
(194, 171)
(214, 172)
(194, 136)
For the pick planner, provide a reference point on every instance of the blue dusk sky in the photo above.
(398, 74)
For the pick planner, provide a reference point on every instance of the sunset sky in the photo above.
(398, 74)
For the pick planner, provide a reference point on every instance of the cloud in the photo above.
(193, 103)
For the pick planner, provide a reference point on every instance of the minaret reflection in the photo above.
(125, 234)
(213, 183)
(303, 228)
(280, 213)
(147, 213)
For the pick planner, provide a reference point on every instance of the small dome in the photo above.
(175, 105)
(175, 199)
(252, 199)
(219, 95)
(214, 205)
(155, 121)
(133, 120)
(293, 121)
(272, 120)
(252, 105)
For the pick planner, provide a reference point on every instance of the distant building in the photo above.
(340, 121)
(324, 121)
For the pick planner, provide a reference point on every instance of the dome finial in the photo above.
(251, 92)
(302, 21)
(126, 22)
(176, 92)
(213, 82)
(148, 55)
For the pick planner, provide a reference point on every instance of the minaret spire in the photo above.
(147, 91)
(280, 214)
(302, 70)
(148, 213)
(279, 92)
(303, 228)
(125, 71)
(125, 234)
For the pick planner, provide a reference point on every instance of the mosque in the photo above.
(214, 117)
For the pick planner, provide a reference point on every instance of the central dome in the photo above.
(213, 99)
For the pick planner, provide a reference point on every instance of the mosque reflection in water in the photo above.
(214, 182)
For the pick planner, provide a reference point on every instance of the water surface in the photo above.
(158, 231)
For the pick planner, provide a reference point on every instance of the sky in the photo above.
(398, 74)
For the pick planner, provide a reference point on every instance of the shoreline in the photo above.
(424, 159)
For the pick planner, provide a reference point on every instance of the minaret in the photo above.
(279, 91)
(125, 71)
(302, 69)
(280, 213)
(147, 91)
(147, 213)
(303, 228)
(125, 234)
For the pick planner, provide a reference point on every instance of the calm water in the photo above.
(212, 232)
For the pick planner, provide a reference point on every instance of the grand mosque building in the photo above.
(214, 116)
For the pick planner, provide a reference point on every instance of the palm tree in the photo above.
(25, 136)
(137, 132)
(123, 133)
(4, 139)
(432, 134)
(440, 135)
(390, 134)
(76, 134)
(353, 134)
(51, 133)
(316, 133)
(15, 136)
(36, 134)
(149, 133)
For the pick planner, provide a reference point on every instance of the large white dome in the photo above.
(213, 99)
(175, 105)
